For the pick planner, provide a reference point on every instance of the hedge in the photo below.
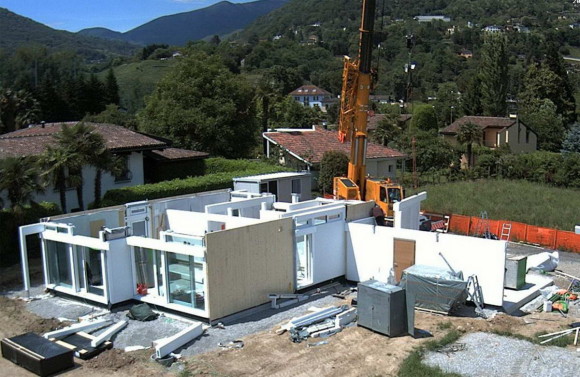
(9, 223)
(208, 182)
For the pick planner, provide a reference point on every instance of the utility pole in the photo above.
(409, 66)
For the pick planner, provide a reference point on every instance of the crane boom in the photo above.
(352, 125)
(356, 86)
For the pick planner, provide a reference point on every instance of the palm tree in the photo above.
(468, 134)
(17, 109)
(55, 162)
(83, 141)
(19, 177)
(104, 160)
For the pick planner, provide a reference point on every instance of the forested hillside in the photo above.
(17, 31)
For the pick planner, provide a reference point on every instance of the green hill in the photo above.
(219, 19)
(137, 80)
(18, 31)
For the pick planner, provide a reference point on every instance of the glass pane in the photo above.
(59, 263)
(144, 267)
(180, 280)
(199, 276)
(94, 271)
(139, 228)
(303, 260)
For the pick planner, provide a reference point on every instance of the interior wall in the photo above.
(407, 211)
(329, 245)
(246, 264)
(370, 255)
(85, 223)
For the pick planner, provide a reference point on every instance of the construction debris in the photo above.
(285, 299)
(319, 324)
(234, 344)
(58, 334)
(165, 346)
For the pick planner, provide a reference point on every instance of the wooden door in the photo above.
(403, 256)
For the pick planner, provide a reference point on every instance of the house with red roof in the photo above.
(497, 132)
(304, 148)
(138, 151)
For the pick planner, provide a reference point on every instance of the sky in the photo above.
(118, 15)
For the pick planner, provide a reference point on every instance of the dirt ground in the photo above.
(353, 352)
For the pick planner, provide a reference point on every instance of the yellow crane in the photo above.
(352, 126)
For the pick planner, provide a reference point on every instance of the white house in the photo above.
(310, 95)
(129, 145)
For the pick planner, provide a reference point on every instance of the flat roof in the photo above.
(270, 176)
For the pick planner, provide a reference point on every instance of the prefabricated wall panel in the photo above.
(246, 264)
(328, 251)
(119, 276)
(359, 210)
(86, 223)
(370, 255)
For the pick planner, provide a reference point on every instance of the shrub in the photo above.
(208, 182)
(333, 164)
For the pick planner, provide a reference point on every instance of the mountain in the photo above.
(219, 19)
(18, 31)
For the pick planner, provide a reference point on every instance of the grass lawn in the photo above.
(521, 201)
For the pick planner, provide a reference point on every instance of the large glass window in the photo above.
(303, 260)
(186, 279)
(148, 271)
(94, 271)
(59, 263)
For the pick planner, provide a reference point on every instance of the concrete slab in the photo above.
(515, 299)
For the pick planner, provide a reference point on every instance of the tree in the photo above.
(471, 100)
(541, 115)
(493, 74)
(17, 109)
(388, 128)
(113, 115)
(424, 118)
(55, 162)
(447, 104)
(571, 143)
(111, 91)
(83, 142)
(19, 177)
(201, 105)
(565, 101)
(333, 164)
(288, 113)
(468, 135)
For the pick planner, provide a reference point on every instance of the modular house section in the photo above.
(217, 253)
(286, 186)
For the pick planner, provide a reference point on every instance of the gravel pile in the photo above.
(493, 355)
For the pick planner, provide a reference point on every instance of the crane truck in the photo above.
(354, 106)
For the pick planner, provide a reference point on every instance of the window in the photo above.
(59, 263)
(186, 279)
(334, 217)
(263, 187)
(527, 136)
(92, 279)
(390, 168)
(273, 188)
(319, 220)
(296, 187)
(303, 260)
(124, 173)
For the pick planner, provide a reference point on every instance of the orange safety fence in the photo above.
(548, 237)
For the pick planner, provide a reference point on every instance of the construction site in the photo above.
(264, 280)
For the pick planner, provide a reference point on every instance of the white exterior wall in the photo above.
(284, 187)
(379, 167)
(121, 286)
(135, 163)
(407, 211)
(370, 255)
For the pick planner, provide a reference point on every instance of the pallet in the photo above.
(80, 343)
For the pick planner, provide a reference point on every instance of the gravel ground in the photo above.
(493, 355)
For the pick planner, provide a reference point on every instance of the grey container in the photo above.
(382, 308)
(515, 272)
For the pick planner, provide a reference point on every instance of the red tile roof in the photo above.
(310, 145)
(32, 141)
(309, 90)
(374, 119)
(483, 122)
(175, 154)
